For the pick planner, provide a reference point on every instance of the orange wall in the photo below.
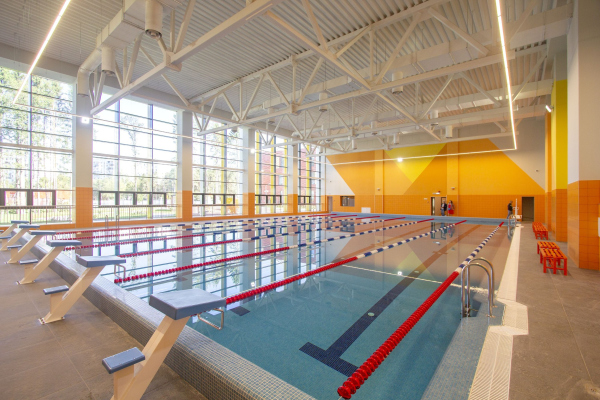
(483, 183)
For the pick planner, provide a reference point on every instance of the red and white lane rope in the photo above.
(144, 253)
(163, 226)
(240, 257)
(275, 285)
(362, 373)
(97, 245)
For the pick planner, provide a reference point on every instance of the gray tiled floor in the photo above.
(62, 361)
(560, 358)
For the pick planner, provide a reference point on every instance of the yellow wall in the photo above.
(483, 183)
(558, 144)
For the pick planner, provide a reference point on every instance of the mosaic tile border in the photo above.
(214, 370)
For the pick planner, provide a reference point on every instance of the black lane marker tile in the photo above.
(240, 310)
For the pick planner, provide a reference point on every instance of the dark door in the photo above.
(528, 208)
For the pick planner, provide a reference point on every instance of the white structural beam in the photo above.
(407, 115)
(184, 26)
(437, 96)
(174, 60)
(550, 24)
(461, 33)
(386, 67)
(400, 16)
(326, 54)
(479, 89)
(532, 90)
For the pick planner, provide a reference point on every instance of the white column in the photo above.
(82, 162)
(184, 168)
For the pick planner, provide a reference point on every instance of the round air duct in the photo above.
(271, 121)
(108, 60)
(433, 115)
(395, 77)
(323, 96)
(154, 16)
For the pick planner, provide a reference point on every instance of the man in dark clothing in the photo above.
(510, 210)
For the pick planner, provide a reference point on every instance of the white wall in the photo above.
(335, 184)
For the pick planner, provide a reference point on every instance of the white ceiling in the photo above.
(260, 44)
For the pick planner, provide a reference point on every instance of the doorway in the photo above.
(433, 206)
(528, 208)
(329, 204)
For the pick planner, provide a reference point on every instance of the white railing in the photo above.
(137, 212)
(37, 214)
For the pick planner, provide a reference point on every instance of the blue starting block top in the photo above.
(184, 303)
(40, 233)
(123, 360)
(57, 289)
(18, 221)
(59, 243)
(99, 261)
(29, 226)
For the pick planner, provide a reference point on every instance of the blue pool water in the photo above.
(314, 332)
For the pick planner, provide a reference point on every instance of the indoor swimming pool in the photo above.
(314, 332)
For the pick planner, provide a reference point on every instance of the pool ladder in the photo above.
(465, 286)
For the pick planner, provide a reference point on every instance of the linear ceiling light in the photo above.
(505, 57)
(39, 54)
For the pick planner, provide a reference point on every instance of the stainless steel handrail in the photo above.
(466, 298)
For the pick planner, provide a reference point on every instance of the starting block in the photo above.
(134, 369)
(33, 268)
(24, 229)
(16, 254)
(60, 304)
(13, 226)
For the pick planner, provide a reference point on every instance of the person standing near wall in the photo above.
(510, 209)
(443, 208)
(451, 208)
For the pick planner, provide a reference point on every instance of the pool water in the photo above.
(315, 332)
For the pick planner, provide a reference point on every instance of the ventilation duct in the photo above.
(122, 29)
(433, 115)
(448, 132)
(396, 138)
(395, 76)
(354, 147)
(154, 16)
(271, 121)
(323, 96)
(108, 60)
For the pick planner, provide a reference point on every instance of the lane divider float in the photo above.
(362, 373)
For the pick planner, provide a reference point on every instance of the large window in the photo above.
(309, 180)
(36, 145)
(217, 172)
(135, 161)
(271, 176)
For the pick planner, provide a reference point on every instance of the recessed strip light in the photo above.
(548, 108)
(39, 54)
(431, 156)
(505, 57)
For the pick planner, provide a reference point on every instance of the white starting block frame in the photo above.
(13, 226)
(60, 303)
(134, 369)
(17, 252)
(33, 268)
(24, 228)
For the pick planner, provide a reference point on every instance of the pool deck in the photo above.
(63, 361)
(560, 357)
